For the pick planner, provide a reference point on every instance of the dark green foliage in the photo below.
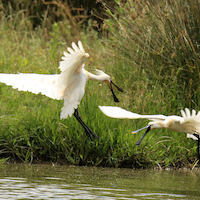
(162, 38)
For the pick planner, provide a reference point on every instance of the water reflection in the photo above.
(19, 181)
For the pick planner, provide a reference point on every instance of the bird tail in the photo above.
(68, 109)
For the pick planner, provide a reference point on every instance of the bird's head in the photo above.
(151, 125)
(106, 78)
(157, 124)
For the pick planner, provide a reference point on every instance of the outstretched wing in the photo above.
(72, 63)
(52, 86)
(193, 118)
(191, 121)
(117, 112)
(72, 81)
(35, 83)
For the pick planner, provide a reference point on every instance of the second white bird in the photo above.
(188, 123)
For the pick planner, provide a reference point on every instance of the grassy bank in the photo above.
(30, 126)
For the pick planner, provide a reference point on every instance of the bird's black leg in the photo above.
(88, 131)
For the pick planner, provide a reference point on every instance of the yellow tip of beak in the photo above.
(133, 132)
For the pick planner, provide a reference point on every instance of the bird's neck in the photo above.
(158, 124)
(94, 77)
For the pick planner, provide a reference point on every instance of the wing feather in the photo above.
(74, 58)
(193, 113)
(117, 112)
(35, 83)
(66, 85)
(194, 118)
(187, 111)
(75, 47)
(191, 122)
(71, 51)
(71, 63)
(191, 136)
(183, 114)
(81, 47)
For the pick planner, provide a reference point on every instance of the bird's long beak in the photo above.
(148, 129)
(117, 86)
(110, 86)
(134, 132)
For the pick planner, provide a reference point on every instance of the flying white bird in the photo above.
(188, 123)
(68, 85)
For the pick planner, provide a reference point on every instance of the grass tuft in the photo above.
(152, 52)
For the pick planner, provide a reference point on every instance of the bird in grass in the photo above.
(188, 123)
(68, 85)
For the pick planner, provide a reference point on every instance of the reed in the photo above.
(142, 55)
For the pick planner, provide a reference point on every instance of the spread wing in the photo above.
(192, 121)
(71, 63)
(52, 86)
(192, 118)
(117, 112)
(35, 83)
(71, 82)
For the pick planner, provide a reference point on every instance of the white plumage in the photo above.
(188, 123)
(68, 85)
(35, 83)
(192, 136)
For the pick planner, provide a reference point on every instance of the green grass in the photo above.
(31, 129)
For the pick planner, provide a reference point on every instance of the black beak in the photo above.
(115, 98)
(117, 87)
(148, 129)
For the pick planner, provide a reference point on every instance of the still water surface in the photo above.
(20, 181)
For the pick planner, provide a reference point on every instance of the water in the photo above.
(20, 181)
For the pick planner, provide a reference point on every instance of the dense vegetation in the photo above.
(151, 50)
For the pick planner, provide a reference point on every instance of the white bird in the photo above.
(188, 123)
(68, 85)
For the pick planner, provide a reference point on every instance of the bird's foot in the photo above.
(90, 133)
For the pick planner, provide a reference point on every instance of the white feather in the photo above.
(71, 51)
(35, 83)
(68, 85)
(117, 112)
(183, 114)
(81, 47)
(191, 136)
(188, 123)
(77, 50)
